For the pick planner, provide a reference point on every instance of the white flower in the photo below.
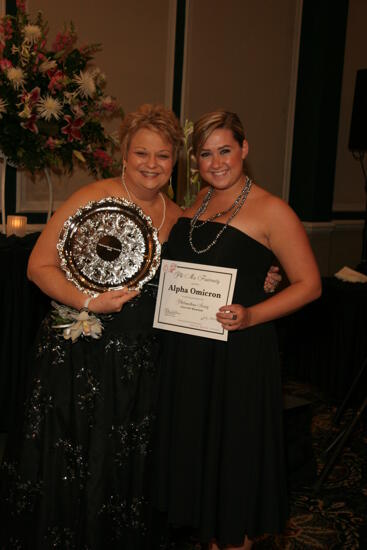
(49, 107)
(115, 138)
(3, 106)
(86, 325)
(70, 97)
(32, 33)
(86, 85)
(16, 76)
(26, 112)
(47, 65)
(76, 323)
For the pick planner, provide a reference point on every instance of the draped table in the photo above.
(325, 343)
(22, 307)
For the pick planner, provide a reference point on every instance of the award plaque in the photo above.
(107, 245)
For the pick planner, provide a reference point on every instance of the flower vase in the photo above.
(3, 218)
(50, 194)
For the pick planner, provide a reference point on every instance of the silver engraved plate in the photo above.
(107, 245)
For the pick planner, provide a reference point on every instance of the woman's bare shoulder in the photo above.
(268, 202)
(94, 191)
(173, 212)
(173, 207)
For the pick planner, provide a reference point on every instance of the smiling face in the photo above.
(221, 159)
(149, 161)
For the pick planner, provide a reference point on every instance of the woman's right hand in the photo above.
(111, 301)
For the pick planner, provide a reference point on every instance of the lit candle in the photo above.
(16, 225)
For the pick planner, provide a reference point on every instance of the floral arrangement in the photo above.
(192, 173)
(52, 101)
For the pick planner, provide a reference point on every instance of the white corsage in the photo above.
(73, 323)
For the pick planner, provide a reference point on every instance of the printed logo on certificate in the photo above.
(189, 296)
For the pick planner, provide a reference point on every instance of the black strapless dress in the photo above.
(76, 476)
(219, 461)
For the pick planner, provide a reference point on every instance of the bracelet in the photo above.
(86, 304)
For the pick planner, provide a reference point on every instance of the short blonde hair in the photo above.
(153, 117)
(215, 121)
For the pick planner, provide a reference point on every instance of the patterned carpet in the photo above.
(336, 517)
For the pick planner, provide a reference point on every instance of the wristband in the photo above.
(86, 303)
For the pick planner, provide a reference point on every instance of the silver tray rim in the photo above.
(112, 202)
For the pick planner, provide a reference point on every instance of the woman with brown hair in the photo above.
(219, 462)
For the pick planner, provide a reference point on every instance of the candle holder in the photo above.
(16, 225)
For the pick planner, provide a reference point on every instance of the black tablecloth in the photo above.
(325, 343)
(22, 307)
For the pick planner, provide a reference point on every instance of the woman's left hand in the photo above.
(233, 317)
(272, 279)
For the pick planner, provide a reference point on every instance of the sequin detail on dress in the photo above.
(124, 514)
(61, 538)
(86, 398)
(75, 463)
(38, 406)
(23, 493)
(136, 354)
(51, 344)
(132, 438)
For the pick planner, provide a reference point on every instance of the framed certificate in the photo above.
(189, 296)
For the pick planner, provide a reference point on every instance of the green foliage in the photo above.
(192, 174)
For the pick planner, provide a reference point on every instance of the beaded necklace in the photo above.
(236, 207)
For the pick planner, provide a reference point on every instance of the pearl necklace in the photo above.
(162, 198)
(236, 207)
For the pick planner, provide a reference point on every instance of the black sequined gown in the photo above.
(76, 476)
(219, 462)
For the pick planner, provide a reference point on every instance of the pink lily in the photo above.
(72, 128)
(21, 5)
(30, 124)
(5, 64)
(102, 157)
(31, 98)
(55, 80)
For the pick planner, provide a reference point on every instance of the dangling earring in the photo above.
(170, 191)
(123, 171)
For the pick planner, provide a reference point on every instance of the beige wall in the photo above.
(239, 56)
(242, 55)
(349, 185)
(134, 34)
(335, 244)
(137, 58)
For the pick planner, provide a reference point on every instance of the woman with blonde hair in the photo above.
(77, 475)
